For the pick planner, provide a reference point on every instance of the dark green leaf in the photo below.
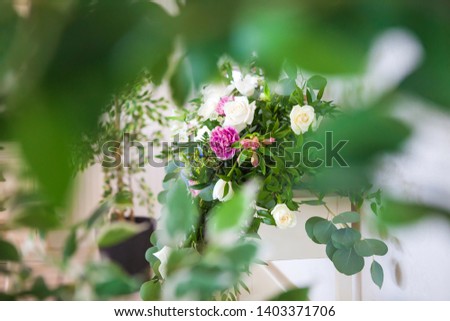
(309, 226)
(8, 252)
(376, 271)
(369, 247)
(181, 83)
(300, 294)
(347, 217)
(323, 230)
(71, 245)
(345, 238)
(330, 250)
(347, 261)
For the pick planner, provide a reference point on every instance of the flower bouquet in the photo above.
(247, 128)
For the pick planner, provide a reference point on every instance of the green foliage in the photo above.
(109, 280)
(323, 230)
(292, 295)
(376, 271)
(150, 291)
(8, 252)
(370, 247)
(71, 245)
(179, 216)
(347, 261)
(345, 238)
(116, 233)
(346, 217)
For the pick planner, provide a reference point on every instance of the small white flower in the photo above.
(245, 85)
(201, 132)
(239, 113)
(163, 257)
(283, 216)
(301, 118)
(219, 191)
(211, 97)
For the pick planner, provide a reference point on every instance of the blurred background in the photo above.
(64, 65)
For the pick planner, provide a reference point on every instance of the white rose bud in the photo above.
(239, 113)
(219, 191)
(283, 216)
(301, 118)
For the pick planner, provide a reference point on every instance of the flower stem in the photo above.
(232, 169)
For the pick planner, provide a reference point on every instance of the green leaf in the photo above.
(150, 291)
(8, 252)
(108, 280)
(71, 245)
(229, 215)
(103, 209)
(206, 194)
(300, 294)
(313, 202)
(347, 261)
(179, 215)
(267, 217)
(309, 227)
(369, 247)
(347, 217)
(318, 83)
(38, 216)
(181, 82)
(376, 271)
(330, 250)
(116, 233)
(323, 230)
(344, 238)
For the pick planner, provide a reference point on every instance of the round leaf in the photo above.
(330, 250)
(309, 226)
(150, 291)
(369, 247)
(323, 230)
(376, 271)
(8, 252)
(347, 217)
(344, 238)
(116, 233)
(347, 261)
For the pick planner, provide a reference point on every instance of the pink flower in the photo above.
(194, 192)
(222, 102)
(221, 140)
(269, 141)
(250, 143)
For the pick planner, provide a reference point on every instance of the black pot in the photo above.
(130, 254)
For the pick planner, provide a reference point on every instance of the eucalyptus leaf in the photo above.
(345, 238)
(370, 247)
(347, 217)
(347, 261)
(323, 230)
(376, 271)
(309, 227)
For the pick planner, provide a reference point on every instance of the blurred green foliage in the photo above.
(61, 64)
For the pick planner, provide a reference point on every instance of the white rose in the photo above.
(283, 216)
(239, 113)
(301, 118)
(211, 97)
(246, 86)
(219, 191)
(163, 257)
